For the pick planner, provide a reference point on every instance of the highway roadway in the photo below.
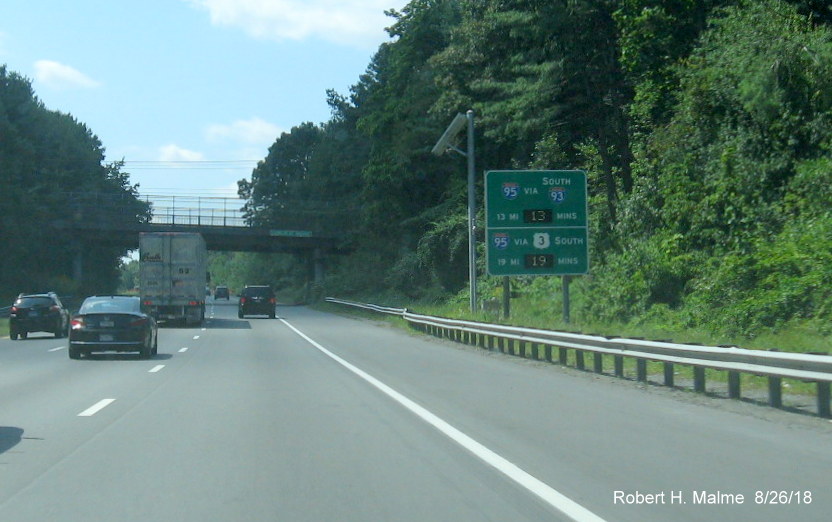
(313, 417)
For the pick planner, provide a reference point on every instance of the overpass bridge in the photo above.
(311, 232)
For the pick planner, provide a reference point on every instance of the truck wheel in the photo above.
(13, 335)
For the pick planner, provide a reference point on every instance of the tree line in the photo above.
(704, 126)
(44, 156)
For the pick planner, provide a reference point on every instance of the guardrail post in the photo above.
(699, 379)
(501, 344)
(562, 355)
(775, 392)
(668, 374)
(641, 370)
(619, 366)
(547, 352)
(823, 400)
(734, 385)
(521, 349)
(535, 352)
(598, 362)
(579, 359)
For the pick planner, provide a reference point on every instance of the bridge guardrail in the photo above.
(773, 365)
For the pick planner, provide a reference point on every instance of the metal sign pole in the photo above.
(472, 215)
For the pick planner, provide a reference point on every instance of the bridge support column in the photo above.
(318, 261)
(78, 266)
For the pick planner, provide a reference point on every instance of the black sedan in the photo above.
(112, 324)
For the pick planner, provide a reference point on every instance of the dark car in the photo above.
(257, 300)
(221, 292)
(38, 313)
(113, 323)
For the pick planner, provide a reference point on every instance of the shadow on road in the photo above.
(227, 324)
(9, 437)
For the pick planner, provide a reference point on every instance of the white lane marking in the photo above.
(548, 494)
(95, 408)
(196, 337)
(156, 368)
(204, 329)
(57, 348)
(183, 349)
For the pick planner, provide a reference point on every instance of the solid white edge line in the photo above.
(156, 368)
(545, 492)
(95, 408)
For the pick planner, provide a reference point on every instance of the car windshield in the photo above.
(105, 305)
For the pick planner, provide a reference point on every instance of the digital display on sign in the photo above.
(539, 261)
(542, 215)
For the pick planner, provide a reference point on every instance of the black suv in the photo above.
(221, 292)
(38, 313)
(257, 300)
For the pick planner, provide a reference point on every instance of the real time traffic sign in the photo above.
(536, 222)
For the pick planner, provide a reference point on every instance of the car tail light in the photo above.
(242, 300)
(77, 322)
(55, 308)
(15, 309)
(273, 300)
(148, 303)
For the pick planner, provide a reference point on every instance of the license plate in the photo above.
(105, 338)
(107, 324)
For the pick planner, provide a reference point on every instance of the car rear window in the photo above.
(258, 291)
(34, 301)
(107, 305)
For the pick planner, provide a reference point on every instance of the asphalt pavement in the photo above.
(314, 416)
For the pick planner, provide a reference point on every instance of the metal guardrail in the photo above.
(4, 311)
(773, 365)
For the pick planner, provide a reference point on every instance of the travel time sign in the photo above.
(536, 222)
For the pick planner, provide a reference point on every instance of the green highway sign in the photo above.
(536, 222)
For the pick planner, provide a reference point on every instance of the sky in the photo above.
(191, 93)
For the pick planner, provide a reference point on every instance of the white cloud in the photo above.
(251, 131)
(174, 152)
(59, 76)
(358, 23)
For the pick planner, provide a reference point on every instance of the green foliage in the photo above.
(703, 125)
(42, 154)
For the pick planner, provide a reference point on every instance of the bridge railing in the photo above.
(113, 211)
(215, 211)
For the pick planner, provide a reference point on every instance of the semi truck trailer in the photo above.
(173, 272)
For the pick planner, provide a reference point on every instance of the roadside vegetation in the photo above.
(704, 127)
(53, 174)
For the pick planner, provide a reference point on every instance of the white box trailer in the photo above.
(173, 273)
